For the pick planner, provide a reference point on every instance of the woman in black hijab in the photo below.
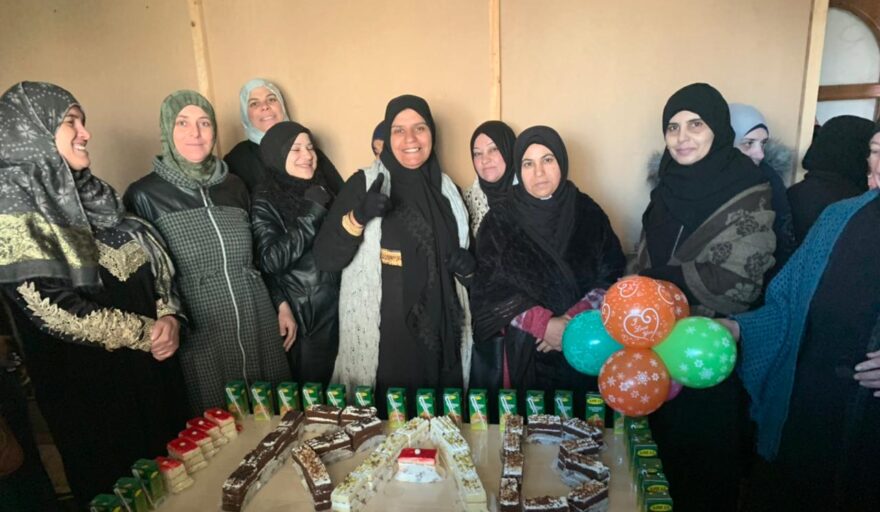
(545, 254)
(287, 211)
(709, 230)
(836, 166)
(399, 231)
(492, 154)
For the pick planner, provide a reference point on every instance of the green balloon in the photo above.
(586, 344)
(699, 352)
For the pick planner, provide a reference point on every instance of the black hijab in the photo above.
(841, 148)
(693, 192)
(549, 221)
(435, 314)
(504, 139)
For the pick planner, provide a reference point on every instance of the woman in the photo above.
(545, 254)
(709, 230)
(289, 208)
(262, 107)
(492, 154)
(810, 364)
(202, 211)
(399, 230)
(97, 312)
(874, 162)
(836, 170)
(376, 142)
(752, 137)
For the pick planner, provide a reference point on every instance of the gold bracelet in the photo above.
(351, 226)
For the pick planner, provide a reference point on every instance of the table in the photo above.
(284, 492)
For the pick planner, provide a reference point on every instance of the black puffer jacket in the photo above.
(284, 251)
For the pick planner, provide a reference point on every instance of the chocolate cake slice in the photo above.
(590, 496)
(351, 414)
(577, 428)
(546, 504)
(509, 497)
(314, 473)
(544, 428)
(586, 465)
(585, 445)
(320, 413)
(363, 430)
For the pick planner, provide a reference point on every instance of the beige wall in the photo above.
(599, 72)
(119, 58)
(601, 77)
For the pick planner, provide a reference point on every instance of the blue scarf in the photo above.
(771, 335)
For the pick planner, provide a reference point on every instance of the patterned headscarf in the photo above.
(171, 107)
(254, 135)
(47, 212)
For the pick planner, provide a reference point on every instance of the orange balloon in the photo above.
(674, 296)
(634, 381)
(635, 312)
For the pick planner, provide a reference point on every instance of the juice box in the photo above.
(563, 404)
(363, 396)
(261, 397)
(657, 502)
(237, 399)
(425, 403)
(641, 450)
(452, 404)
(147, 471)
(396, 400)
(506, 406)
(336, 395)
(129, 488)
(311, 394)
(534, 402)
(288, 397)
(651, 478)
(595, 410)
(478, 405)
(107, 503)
(618, 422)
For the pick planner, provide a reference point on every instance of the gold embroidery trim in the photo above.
(351, 226)
(389, 257)
(122, 262)
(29, 236)
(109, 328)
(163, 308)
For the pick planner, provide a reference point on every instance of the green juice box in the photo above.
(506, 406)
(261, 396)
(311, 394)
(650, 478)
(336, 395)
(363, 396)
(657, 502)
(641, 450)
(107, 503)
(478, 405)
(395, 399)
(425, 403)
(534, 402)
(452, 404)
(129, 488)
(147, 471)
(288, 397)
(237, 399)
(595, 410)
(618, 422)
(563, 404)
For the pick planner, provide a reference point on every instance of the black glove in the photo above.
(317, 194)
(374, 204)
(461, 263)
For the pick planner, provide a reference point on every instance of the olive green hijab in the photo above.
(171, 107)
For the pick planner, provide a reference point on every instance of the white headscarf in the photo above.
(252, 133)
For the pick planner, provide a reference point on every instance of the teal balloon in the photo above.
(699, 352)
(586, 344)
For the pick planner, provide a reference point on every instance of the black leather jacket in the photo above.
(152, 196)
(284, 253)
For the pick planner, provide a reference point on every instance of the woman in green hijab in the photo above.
(202, 211)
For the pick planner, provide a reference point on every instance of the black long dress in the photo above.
(404, 360)
(831, 442)
(105, 409)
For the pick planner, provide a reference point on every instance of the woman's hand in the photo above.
(553, 335)
(731, 326)
(165, 337)
(286, 325)
(868, 372)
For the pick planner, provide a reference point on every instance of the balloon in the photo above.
(635, 313)
(634, 381)
(699, 352)
(675, 388)
(586, 344)
(677, 299)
